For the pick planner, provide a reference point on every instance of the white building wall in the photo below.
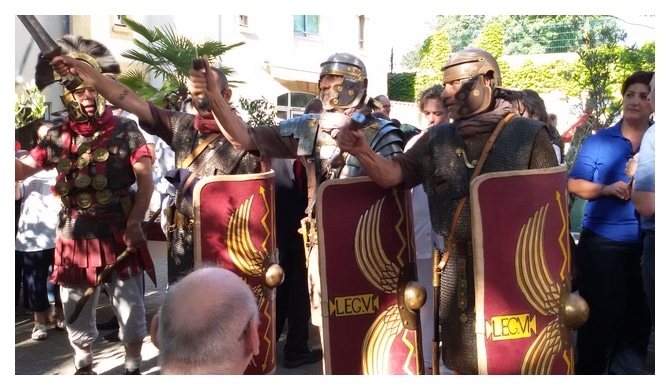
(271, 46)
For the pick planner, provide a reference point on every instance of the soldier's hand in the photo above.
(64, 65)
(201, 81)
(134, 237)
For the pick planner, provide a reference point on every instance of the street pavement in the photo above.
(53, 356)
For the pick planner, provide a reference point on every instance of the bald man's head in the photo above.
(207, 324)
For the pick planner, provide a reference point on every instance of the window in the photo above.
(118, 21)
(291, 105)
(306, 24)
(244, 20)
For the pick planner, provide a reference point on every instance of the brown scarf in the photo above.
(485, 122)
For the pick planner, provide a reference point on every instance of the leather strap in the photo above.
(187, 162)
(196, 152)
(449, 243)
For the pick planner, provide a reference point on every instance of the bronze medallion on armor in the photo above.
(85, 147)
(100, 155)
(62, 188)
(99, 182)
(83, 160)
(84, 200)
(64, 165)
(82, 181)
(104, 196)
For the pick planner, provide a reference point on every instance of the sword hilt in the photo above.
(201, 102)
(72, 82)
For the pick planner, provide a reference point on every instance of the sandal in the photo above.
(39, 332)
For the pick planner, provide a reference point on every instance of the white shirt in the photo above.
(39, 213)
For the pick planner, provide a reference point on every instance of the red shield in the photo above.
(368, 271)
(522, 272)
(234, 229)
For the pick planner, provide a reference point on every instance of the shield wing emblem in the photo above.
(367, 267)
(234, 229)
(525, 311)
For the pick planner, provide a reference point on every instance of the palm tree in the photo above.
(168, 56)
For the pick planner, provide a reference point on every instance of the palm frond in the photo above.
(167, 56)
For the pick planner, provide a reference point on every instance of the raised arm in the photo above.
(232, 127)
(113, 91)
(385, 172)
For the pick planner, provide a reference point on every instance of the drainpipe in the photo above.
(66, 24)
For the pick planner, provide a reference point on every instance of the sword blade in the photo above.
(47, 45)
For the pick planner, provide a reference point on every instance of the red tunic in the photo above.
(95, 162)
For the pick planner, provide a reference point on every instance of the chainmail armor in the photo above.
(225, 160)
(446, 182)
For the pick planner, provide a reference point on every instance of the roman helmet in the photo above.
(93, 53)
(353, 88)
(470, 66)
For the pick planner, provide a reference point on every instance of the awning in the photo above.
(291, 74)
(255, 83)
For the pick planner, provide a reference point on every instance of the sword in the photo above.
(48, 47)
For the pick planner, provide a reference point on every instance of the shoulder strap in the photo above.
(478, 169)
(196, 152)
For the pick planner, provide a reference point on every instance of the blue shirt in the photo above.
(602, 160)
(645, 177)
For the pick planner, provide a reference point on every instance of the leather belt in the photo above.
(463, 248)
(89, 216)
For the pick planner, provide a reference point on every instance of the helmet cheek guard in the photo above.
(474, 97)
(345, 95)
(75, 110)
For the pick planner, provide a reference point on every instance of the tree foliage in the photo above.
(434, 54)
(168, 57)
(401, 86)
(462, 30)
(491, 40)
(259, 112)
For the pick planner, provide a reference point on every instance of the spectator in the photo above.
(225, 321)
(384, 106)
(614, 339)
(644, 199)
(36, 241)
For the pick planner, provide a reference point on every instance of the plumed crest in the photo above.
(71, 44)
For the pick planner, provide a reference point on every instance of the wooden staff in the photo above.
(436, 312)
(105, 272)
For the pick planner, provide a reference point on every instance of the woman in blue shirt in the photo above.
(614, 339)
